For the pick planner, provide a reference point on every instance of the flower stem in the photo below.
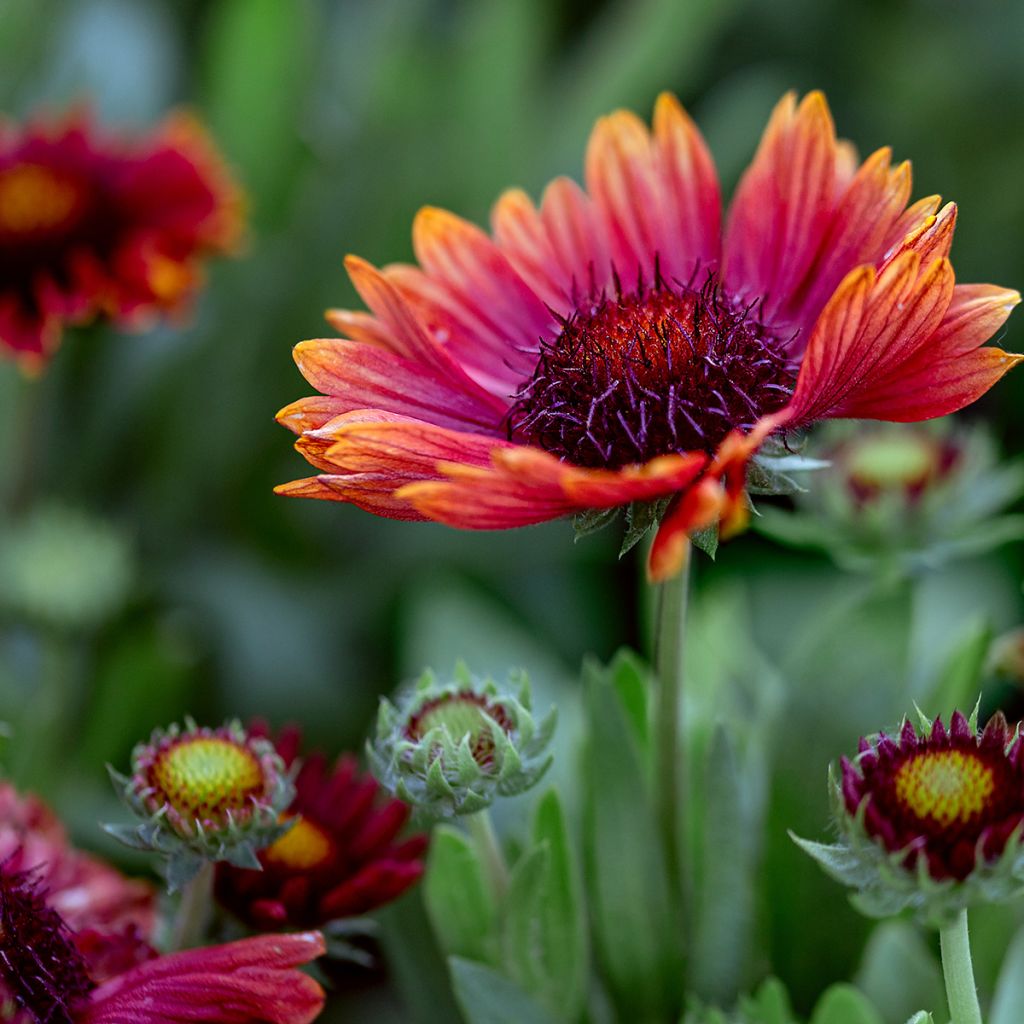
(668, 660)
(481, 829)
(193, 915)
(961, 991)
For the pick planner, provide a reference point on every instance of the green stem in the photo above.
(193, 915)
(24, 444)
(481, 829)
(961, 991)
(668, 659)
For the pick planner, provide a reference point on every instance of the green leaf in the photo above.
(726, 908)
(592, 520)
(706, 540)
(487, 997)
(631, 678)
(921, 1017)
(899, 972)
(958, 684)
(633, 908)
(771, 1004)
(843, 1004)
(563, 921)
(640, 517)
(1009, 995)
(458, 899)
(522, 942)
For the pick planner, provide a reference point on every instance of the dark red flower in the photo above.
(954, 797)
(45, 978)
(97, 225)
(341, 856)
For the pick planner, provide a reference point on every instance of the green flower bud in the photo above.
(903, 496)
(450, 749)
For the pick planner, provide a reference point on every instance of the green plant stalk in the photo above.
(669, 644)
(193, 917)
(961, 990)
(481, 830)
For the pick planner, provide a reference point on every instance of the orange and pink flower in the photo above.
(617, 345)
(92, 224)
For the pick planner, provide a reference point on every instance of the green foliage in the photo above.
(460, 903)
(635, 927)
(487, 997)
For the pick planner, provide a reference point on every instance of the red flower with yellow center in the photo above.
(615, 345)
(93, 225)
(341, 857)
(953, 798)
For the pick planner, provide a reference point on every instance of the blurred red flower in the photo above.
(341, 857)
(94, 224)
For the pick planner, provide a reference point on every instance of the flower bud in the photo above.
(450, 749)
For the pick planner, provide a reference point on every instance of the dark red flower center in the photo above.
(662, 369)
(36, 199)
(40, 966)
(462, 714)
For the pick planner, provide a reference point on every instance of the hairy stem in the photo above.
(193, 915)
(961, 990)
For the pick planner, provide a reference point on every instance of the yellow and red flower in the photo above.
(614, 345)
(341, 856)
(92, 224)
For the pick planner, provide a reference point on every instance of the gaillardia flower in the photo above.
(931, 820)
(904, 497)
(205, 795)
(341, 856)
(93, 224)
(616, 347)
(451, 748)
(46, 978)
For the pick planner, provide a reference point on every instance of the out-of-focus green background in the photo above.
(341, 119)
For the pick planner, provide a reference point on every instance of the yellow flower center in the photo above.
(206, 774)
(33, 199)
(946, 786)
(303, 847)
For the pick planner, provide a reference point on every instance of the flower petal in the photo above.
(783, 203)
(366, 376)
(698, 508)
(872, 324)
(237, 983)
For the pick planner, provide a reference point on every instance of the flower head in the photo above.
(92, 224)
(205, 794)
(614, 347)
(450, 749)
(340, 857)
(904, 496)
(46, 976)
(931, 820)
(87, 892)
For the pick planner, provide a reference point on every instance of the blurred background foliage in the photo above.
(342, 117)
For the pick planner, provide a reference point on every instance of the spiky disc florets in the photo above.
(205, 794)
(450, 749)
(40, 967)
(665, 368)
